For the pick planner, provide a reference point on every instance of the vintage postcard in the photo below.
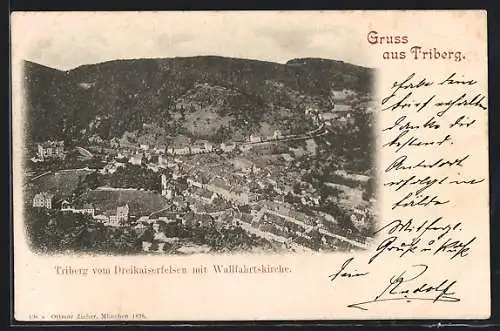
(267, 165)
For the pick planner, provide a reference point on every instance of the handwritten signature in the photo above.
(406, 287)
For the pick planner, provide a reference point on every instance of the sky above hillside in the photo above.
(68, 40)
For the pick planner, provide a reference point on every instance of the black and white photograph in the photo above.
(172, 139)
(212, 166)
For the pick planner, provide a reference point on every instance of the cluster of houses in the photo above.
(112, 217)
(200, 147)
(196, 148)
(208, 191)
(267, 219)
(257, 139)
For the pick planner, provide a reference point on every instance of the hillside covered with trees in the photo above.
(205, 97)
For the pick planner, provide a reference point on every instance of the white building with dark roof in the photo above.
(43, 200)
